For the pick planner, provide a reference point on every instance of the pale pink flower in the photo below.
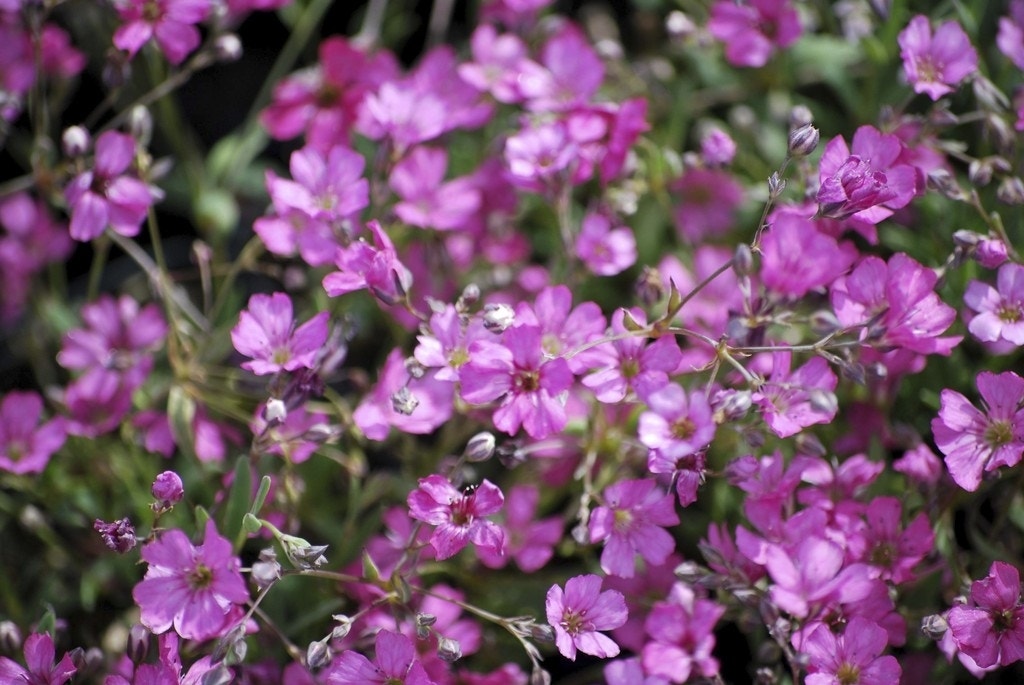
(935, 64)
(266, 332)
(171, 23)
(580, 611)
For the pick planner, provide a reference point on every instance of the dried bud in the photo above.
(934, 626)
(318, 655)
(118, 536)
(1011, 191)
(275, 411)
(498, 317)
(649, 287)
(542, 632)
(168, 489)
(227, 47)
(342, 629)
(448, 650)
(425, 619)
(469, 297)
(221, 675)
(267, 570)
(404, 402)
(803, 141)
(75, 141)
(138, 643)
(303, 554)
(979, 172)
(480, 447)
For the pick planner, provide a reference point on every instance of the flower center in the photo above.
(458, 357)
(1003, 620)
(16, 450)
(200, 577)
(882, 555)
(998, 433)
(1009, 312)
(528, 381)
(282, 355)
(630, 368)
(574, 621)
(461, 514)
(683, 429)
(848, 674)
(623, 520)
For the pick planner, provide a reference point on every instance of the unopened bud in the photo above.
(498, 317)
(118, 536)
(809, 444)
(10, 637)
(275, 411)
(934, 626)
(991, 253)
(743, 260)
(448, 650)
(689, 572)
(678, 25)
(423, 619)
(469, 297)
(75, 141)
(168, 489)
(227, 47)
(765, 675)
(267, 570)
(943, 182)
(979, 172)
(542, 632)
(800, 116)
(343, 628)
(138, 643)
(1011, 191)
(318, 655)
(480, 447)
(649, 287)
(221, 675)
(140, 125)
(776, 184)
(117, 70)
(227, 649)
(803, 141)
(823, 401)
(967, 240)
(404, 402)
(303, 554)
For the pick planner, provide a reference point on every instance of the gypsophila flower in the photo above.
(266, 332)
(999, 312)
(118, 536)
(934, 64)
(25, 445)
(992, 631)
(580, 611)
(458, 516)
(168, 489)
(395, 663)
(170, 23)
(39, 655)
(853, 658)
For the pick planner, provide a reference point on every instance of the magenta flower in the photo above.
(867, 180)
(852, 658)
(708, 200)
(786, 397)
(682, 636)
(539, 157)
(677, 424)
(974, 441)
(171, 23)
(934, 64)
(529, 542)
(992, 631)
(374, 267)
(632, 521)
(630, 364)
(578, 613)
(105, 195)
(565, 330)
(573, 72)
(999, 312)
(517, 373)
(429, 400)
(426, 200)
(811, 577)
(444, 343)
(458, 515)
(892, 550)
(25, 445)
(193, 589)
(1010, 38)
(753, 30)
(606, 251)
(266, 332)
(797, 257)
(717, 148)
(498, 64)
(394, 663)
(39, 655)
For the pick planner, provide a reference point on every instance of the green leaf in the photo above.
(238, 501)
(181, 410)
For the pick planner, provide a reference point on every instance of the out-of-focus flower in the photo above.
(752, 31)
(170, 23)
(25, 445)
(39, 655)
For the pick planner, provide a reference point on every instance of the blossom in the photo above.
(531, 543)
(811, 576)
(538, 156)
(106, 196)
(266, 332)
(629, 363)
(868, 180)
(606, 251)
(458, 516)
(571, 76)
(852, 658)
(682, 636)
(192, 589)
(677, 424)
(999, 312)
(25, 445)
(580, 611)
(797, 258)
(171, 23)
(974, 440)
(1010, 38)
(632, 521)
(892, 550)
(992, 631)
(498, 63)
(717, 148)
(39, 655)
(708, 199)
(753, 30)
(516, 372)
(118, 536)
(425, 200)
(791, 401)
(168, 489)
(428, 401)
(933, 64)
(375, 267)
(394, 663)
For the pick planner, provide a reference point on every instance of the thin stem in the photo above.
(676, 308)
(369, 34)
(440, 19)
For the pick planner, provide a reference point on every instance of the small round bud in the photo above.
(343, 627)
(318, 655)
(743, 260)
(140, 125)
(448, 650)
(75, 141)
(979, 172)
(480, 447)
(415, 369)
(469, 297)
(1011, 191)
(498, 317)
(934, 626)
(803, 141)
(800, 116)
(168, 489)
(991, 253)
(227, 48)
(275, 411)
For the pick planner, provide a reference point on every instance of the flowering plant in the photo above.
(526, 346)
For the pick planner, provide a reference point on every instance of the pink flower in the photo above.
(25, 445)
(717, 148)
(539, 156)
(934, 64)
(974, 441)
(682, 636)
(606, 251)
(708, 199)
(39, 655)
(631, 522)
(426, 201)
(531, 543)
(630, 364)
(797, 258)
(395, 663)
(105, 196)
(811, 577)
(999, 312)
(266, 332)
(868, 180)
(458, 516)
(195, 590)
(791, 401)
(852, 658)
(375, 267)
(677, 424)
(1010, 38)
(892, 550)
(498, 64)
(517, 373)
(753, 30)
(171, 23)
(573, 72)
(578, 613)
(992, 631)
(428, 401)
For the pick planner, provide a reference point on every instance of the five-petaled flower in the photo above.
(458, 515)
(580, 611)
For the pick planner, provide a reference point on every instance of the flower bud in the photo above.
(221, 675)
(1011, 191)
(800, 116)
(991, 253)
(498, 317)
(803, 141)
(275, 411)
(138, 643)
(342, 629)
(480, 447)
(423, 619)
(414, 368)
(469, 297)
(168, 489)
(743, 260)
(10, 637)
(934, 626)
(227, 47)
(267, 570)
(542, 632)
(539, 676)
(979, 172)
(404, 402)
(118, 536)
(448, 650)
(75, 141)
(318, 655)
(649, 287)
(140, 125)
(689, 572)
(678, 25)
(943, 182)
(776, 184)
